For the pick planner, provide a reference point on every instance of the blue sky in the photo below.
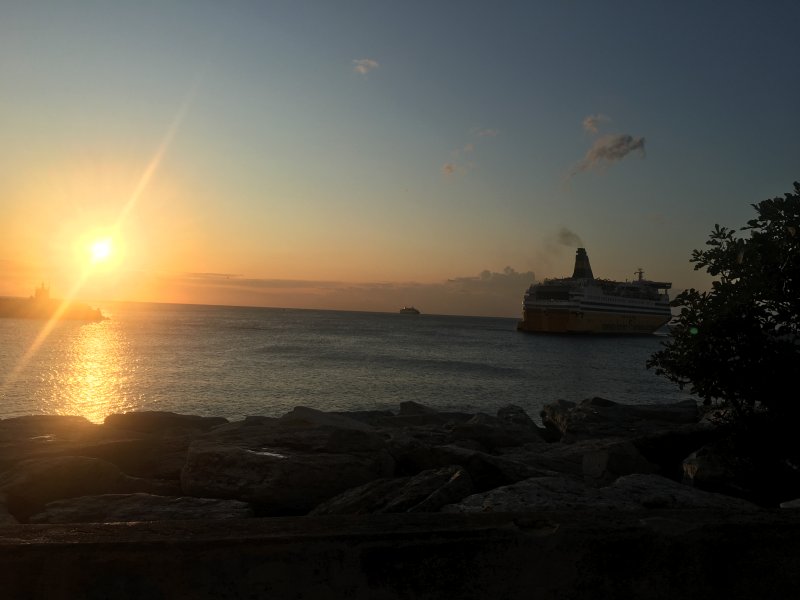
(368, 155)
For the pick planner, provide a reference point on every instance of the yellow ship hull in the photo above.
(552, 320)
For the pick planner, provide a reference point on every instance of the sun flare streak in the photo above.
(155, 161)
(101, 249)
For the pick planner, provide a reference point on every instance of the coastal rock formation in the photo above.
(309, 462)
(286, 465)
(30, 484)
(278, 480)
(414, 503)
(659, 432)
(115, 508)
(162, 422)
(597, 417)
(631, 492)
(427, 491)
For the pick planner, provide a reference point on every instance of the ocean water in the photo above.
(233, 362)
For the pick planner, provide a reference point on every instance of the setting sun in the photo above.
(102, 253)
(101, 250)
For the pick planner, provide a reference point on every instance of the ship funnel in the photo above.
(583, 269)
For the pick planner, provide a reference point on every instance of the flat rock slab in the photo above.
(631, 492)
(427, 491)
(278, 480)
(115, 508)
(660, 555)
(31, 484)
(598, 417)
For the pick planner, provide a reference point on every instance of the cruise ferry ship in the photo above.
(583, 304)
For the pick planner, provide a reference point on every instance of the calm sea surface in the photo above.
(233, 362)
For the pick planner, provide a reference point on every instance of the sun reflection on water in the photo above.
(92, 379)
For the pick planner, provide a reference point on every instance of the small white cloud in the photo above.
(364, 65)
(592, 122)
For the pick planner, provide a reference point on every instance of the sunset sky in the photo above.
(369, 155)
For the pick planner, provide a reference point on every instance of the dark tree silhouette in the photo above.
(738, 344)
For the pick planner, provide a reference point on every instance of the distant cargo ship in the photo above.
(409, 310)
(583, 304)
(41, 306)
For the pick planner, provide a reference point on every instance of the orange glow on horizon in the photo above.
(100, 247)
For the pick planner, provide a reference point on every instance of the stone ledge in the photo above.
(568, 554)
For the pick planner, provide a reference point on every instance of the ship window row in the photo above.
(557, 294)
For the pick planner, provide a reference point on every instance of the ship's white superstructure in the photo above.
(583, 304)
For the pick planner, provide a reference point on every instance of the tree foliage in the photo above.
(738, 343)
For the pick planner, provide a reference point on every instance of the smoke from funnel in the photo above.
(569, 238)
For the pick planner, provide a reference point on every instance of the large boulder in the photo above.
(598, 417)
(146, 456)
(31, 484)
(138, 450)
(427, 491)
(305, 417)
(662, 434)
(751, 468)
(713, 468)
(162, 422)
(44, 426)
(667, 448)
(486, 470)
(286, 465)
(596, 461)
(303, 430)
(420, 417)
(654, 491)
(278, 480)
(537, 493)
(114, 508)
(40, 436)
(632, 492)
(497, 432)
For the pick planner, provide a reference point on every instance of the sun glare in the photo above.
(101, 253)
(101, 250)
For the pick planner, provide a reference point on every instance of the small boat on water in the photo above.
(409, 310)
(41, 306)
(584, 304)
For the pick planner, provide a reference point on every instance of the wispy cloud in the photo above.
(363, 66)
(461, 160)
(609, 149)
(486, 132)
(606, 149)
(592, 122)
(488, 293)
(492, 282)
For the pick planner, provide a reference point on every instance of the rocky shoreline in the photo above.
(413, 470)
(164, 466)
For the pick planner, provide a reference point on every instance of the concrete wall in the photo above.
(670, 555)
